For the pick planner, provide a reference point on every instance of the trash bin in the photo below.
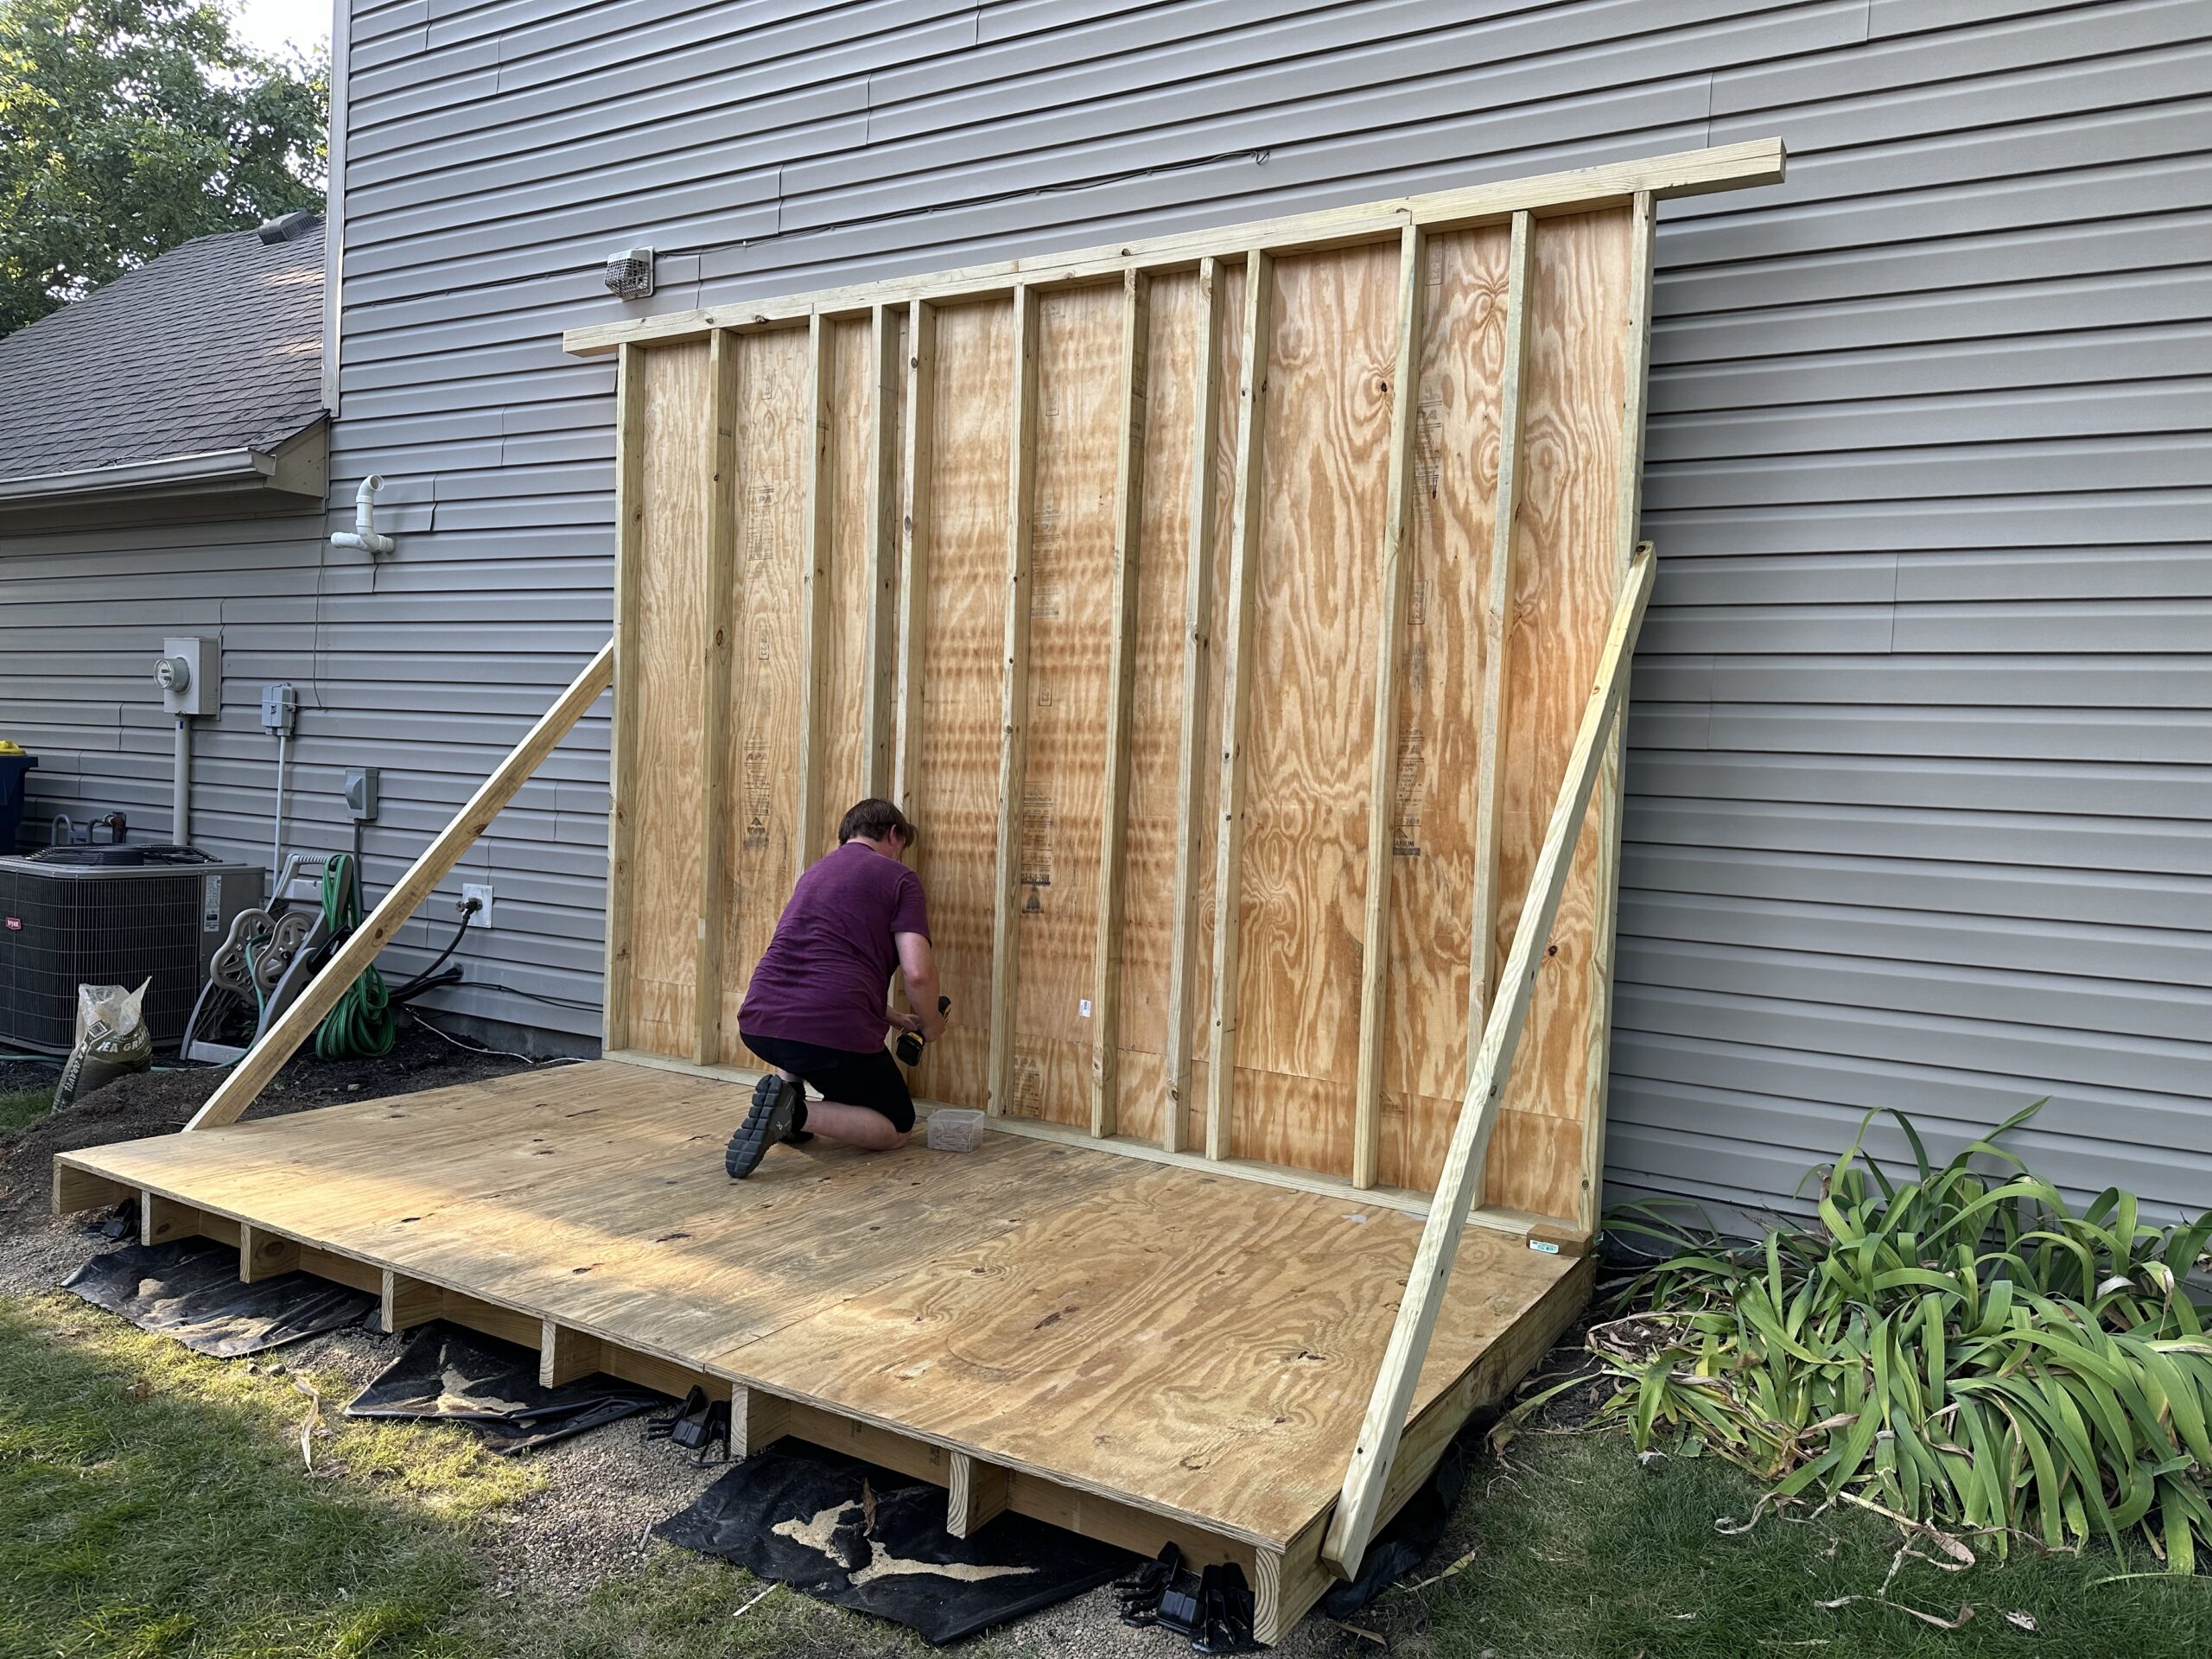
(13, 763)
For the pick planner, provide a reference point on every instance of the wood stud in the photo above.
(1382, 815)
(715, 691)
(807, 828)
(621, 823)
(1628, 515)
(1236, 681)
(1189, 750)
(882, 621)
(913, 569)
(1497, 623)
(1014, 700)
(1128, 529)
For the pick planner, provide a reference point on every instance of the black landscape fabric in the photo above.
(445, 1371)
(190, 1290)
(867, 1538)
(1400, 1549)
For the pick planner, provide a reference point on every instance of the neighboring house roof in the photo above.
(194, 371)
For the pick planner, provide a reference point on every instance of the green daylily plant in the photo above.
(1960, 1348)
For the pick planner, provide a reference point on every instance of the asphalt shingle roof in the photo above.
(216, 345)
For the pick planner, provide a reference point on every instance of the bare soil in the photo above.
(158, 1102)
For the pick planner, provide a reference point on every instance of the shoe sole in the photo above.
(768, 1122)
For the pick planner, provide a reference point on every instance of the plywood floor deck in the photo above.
(1197, 1346)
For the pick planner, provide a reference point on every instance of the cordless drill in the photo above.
(909, 1045)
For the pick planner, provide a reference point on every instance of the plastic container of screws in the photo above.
(956, 1128)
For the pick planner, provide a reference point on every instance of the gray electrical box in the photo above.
(280, 705)
(190, 673)
(361, 793)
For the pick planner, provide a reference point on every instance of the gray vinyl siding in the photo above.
(1920, 774)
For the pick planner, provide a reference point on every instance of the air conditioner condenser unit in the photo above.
(111, 916)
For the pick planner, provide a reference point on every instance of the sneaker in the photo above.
(778, 1110)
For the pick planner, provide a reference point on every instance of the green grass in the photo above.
(1578, 1553)
(29, 1106)
(154, 1503)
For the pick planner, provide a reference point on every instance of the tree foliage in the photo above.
(128, 126)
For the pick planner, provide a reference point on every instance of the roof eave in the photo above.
(278, 469)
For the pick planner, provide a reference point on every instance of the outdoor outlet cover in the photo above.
(361, 791)
(480, 891)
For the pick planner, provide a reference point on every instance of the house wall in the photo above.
(84, 610)
(1919, 775)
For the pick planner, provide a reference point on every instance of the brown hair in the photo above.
(874, 818)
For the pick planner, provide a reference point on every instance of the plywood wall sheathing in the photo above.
(1221, 615)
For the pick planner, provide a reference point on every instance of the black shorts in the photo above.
(872, 1079)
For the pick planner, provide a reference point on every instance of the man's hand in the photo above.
(904, 1021)
(917, 966)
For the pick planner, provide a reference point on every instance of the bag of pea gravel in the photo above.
(113, 1042)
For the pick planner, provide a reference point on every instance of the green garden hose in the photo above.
(361, 1024)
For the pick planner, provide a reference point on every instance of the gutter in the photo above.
(209, 467)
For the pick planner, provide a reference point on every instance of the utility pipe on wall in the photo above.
(276, 845)
(364, 534)
(181, 802)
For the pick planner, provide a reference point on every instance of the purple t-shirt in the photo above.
(826, 975)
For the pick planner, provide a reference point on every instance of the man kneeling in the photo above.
(815, 1012)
